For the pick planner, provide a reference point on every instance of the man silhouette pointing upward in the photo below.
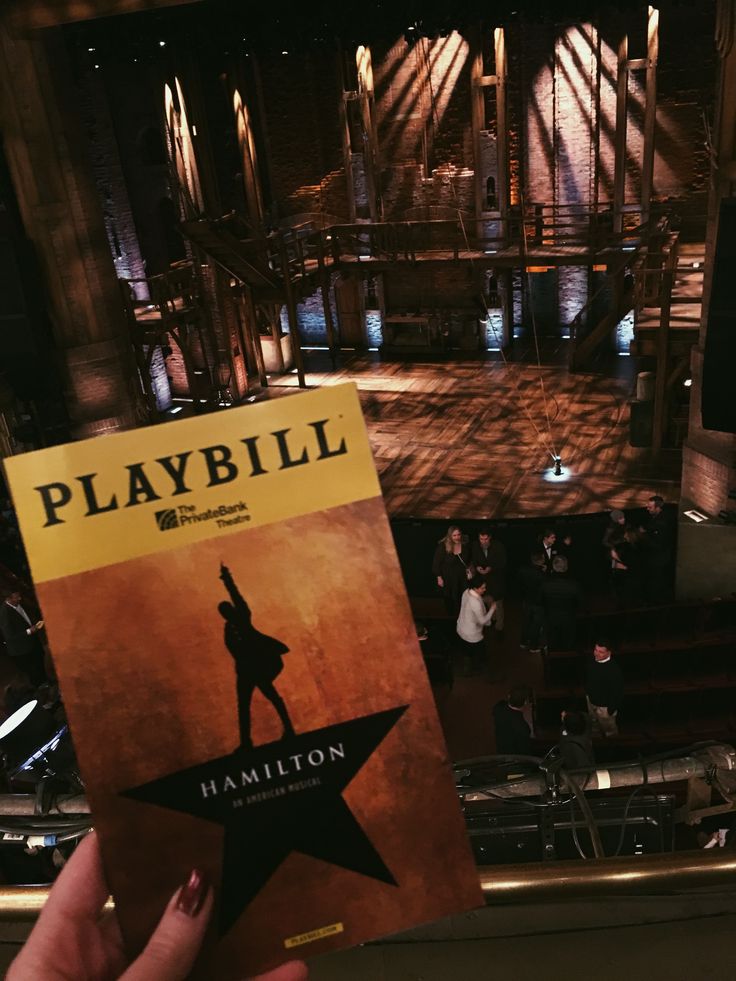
(257, 659)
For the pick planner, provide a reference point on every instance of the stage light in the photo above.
(555, 474)
(696, 265)
(162, 44)
(688, 382)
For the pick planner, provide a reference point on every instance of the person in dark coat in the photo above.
(452, 568)
(604, 689)
(547, 545)
(627, 573)
(21, 633)
(258, 659)
(658, 540)
(531, 578)
(561, 600)
(576, 744)
(513, 732)
(488, 557)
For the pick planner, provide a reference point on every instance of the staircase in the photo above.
(685, 310)
(244, 259)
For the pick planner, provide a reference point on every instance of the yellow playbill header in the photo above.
(112, 498)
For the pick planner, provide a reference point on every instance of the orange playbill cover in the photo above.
(242, 678)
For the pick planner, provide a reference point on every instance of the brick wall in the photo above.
(300, 99)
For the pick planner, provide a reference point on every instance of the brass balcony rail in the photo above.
(531, 883)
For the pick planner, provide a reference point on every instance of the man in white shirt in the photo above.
(22, 642)
(473, 618)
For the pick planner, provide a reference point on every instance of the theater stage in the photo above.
(470, 438)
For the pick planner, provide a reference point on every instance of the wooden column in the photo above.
(347, 158)
(477, 115)
(506, 291)
(49, 166)
(503, 189)
(370, 131)
(663, 355)
(619, 169)
(253, 336)
(324, 285)
(650, 113)
(479, 82)
(296, 340)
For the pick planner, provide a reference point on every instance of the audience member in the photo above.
(604, 689)
(614, 530)
(576, 743)
(513, 732)
(658, 545)
(22, 641)
(531, 579)
(547, 546)
(473, 618)
(565, 545)
(561, 600)
(626, 572)
(488, 558)
(451, 567)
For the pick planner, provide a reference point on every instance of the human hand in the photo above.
(74, 938)
(440, 581)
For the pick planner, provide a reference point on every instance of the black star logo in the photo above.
(282, 797)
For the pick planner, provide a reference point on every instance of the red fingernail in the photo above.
(192, 893)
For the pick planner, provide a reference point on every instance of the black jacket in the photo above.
(577, 751)
(513, 735)
(496, 559)
(560, 597)
(604, 684)
(531, 580)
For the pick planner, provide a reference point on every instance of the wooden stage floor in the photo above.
(469, 438)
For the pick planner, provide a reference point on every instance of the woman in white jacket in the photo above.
(473, 618)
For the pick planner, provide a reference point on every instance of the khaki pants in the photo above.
(498, 620)
(601, 722)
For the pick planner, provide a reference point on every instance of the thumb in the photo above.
(175, 943)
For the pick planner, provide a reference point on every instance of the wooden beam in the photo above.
(22, 16)
(253, 337)
(296, 340)
(347, 159)
(324, 285)
(663, 356)
(650, 113)
(506, 293)
(503, 190)
(477, 122)
(619, 167)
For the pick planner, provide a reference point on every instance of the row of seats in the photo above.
(666, 627)
(653, 717)
(656, 670)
